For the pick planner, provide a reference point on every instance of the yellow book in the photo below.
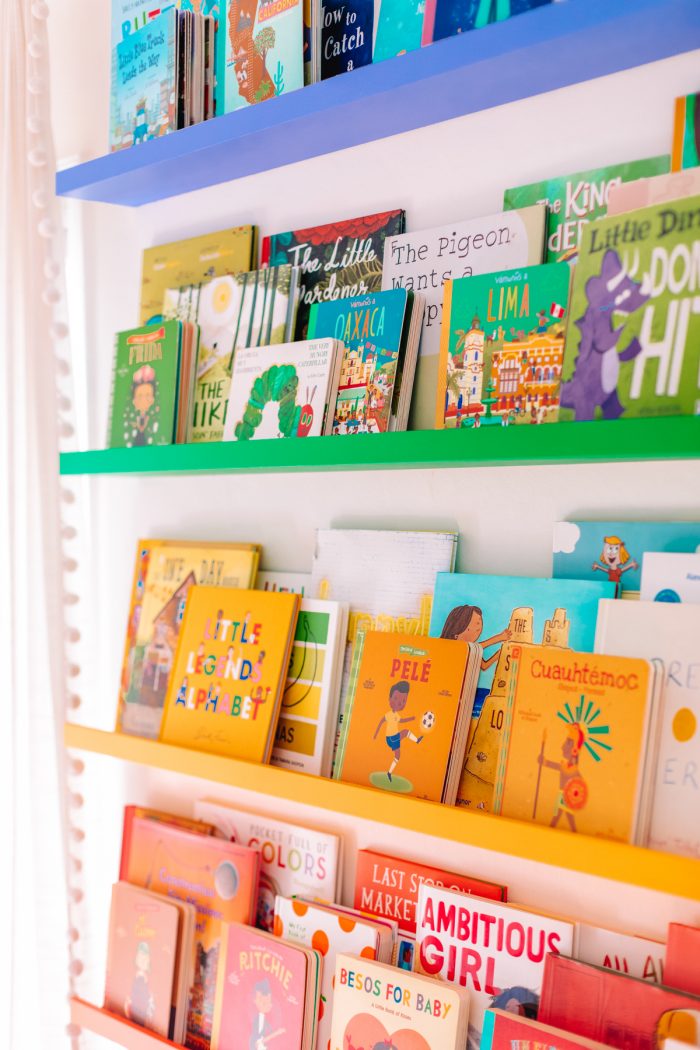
(229, 672)
(575, 740)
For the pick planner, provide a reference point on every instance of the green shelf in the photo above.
(619, 441)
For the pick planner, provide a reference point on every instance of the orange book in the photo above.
(229, 671)
(131, 812)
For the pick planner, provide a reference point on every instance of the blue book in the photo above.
(448, 17)
(144, 83)
(613, 550)
(346, 36)
(398, 26)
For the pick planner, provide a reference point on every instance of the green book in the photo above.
(685, 152)
(633, 342)
(145, 386)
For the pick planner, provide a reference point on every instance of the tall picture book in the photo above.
(671, 577)
(669, 633)
(633, 342)
(144, 102)
(398, 27)
(422, 262)
(144, 398)
(377, 1006)
(346, 36)
(445, 18)
(164, 572)
(229, 672)
(260, 52)
(338, 260)
(577, 745)
(614, 550)
(495, 951)
(492, 611)
(502, 348)
(573, 201)
(659, 189)
(624, 952)
(503, 1028)
(686, 133)
(294, 860)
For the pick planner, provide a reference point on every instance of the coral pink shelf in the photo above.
(117, 1029)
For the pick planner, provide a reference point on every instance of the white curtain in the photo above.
(39, 956)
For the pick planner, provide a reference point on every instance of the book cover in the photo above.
(338, 260)
(398, 27)
(685, 152)
(502, 348)
(346, 36)
(670, 577)
(615, 1009)
(371, 329)
(272, 580)
(496, 951)
(144, 83)
(219, 878)
(260, 52)
(659, 189)
(633, 342)
(624, 952)
(402, 713)
(388, 886)
(595, 550)
(492, 611)
(682, 967)
(380, 1007)
(503, 1028)
(131, 813)
(574, 741)
(667, 633)
(192, 262)
(423, 262)
(143, 409)
(445, 18)
(164, 573)
(294, 860)
(573, 201)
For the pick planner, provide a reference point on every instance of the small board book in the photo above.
(637, 956)
(294, 860)
(495, 951)
(220, 878)
(398, 27)
(144, 399)
(666, 633)
(260, 52)
(229, 672)
(495, 610)
(670, 577)
(598, 1003)
(133, 812)
(445, 18)
(164, 572)
(283, 391)
(378, 1006)
(502, 1028)
(685, 152)
(575, 742)
(659, 189)
(633, 341)
(267, 992)
(407, 714)
(144, 102)
(305, 734)
(596, 550)
(388, 886)
(506, 366)
(682, 967)
(272, 580)
(337, 260)
(573, 201)
(346, 36)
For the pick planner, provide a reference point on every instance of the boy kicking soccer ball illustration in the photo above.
(398, 698)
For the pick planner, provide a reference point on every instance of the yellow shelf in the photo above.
(117, 1029)
(592, 856)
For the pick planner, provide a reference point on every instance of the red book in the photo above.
(388, 886)
(503, 1029)
(682, 965)
(615, 1009)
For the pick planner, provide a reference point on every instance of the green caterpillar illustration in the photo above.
(279, 383)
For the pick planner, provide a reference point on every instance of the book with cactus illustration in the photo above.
(260, 51)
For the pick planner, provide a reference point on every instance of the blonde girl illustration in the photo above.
(614, 560)
(398, 698)
(465, 623)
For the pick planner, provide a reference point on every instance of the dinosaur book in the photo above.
(260, 52)
(633, 342)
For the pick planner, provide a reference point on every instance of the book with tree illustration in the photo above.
(260, 51)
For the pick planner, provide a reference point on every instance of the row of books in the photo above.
(223, 933)
(546, 700)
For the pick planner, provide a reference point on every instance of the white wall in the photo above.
(450, 171)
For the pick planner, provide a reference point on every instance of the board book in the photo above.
(144, 397)
(131, 813)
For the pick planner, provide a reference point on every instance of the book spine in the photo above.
(428, 22)
(678, 134)
(444, 352)
(110, 414)
(346, 714)
(487, 1032)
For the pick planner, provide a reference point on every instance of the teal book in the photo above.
(144, 83)
(372, 330)
(145, 386)
(398, 25)
(494, 611)
(259, 51)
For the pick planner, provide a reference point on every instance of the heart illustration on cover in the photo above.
(365, 1032)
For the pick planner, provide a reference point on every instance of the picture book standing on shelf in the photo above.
(145, 375)
(260, 52)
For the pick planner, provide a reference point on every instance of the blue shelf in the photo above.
(551, 47)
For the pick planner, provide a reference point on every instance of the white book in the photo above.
(669, 633)
(287, 582)
(670, 577)
(636, 956)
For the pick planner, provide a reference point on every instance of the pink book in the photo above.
(428, 22)
(682, 964)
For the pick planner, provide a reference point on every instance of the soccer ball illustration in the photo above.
(427, 721)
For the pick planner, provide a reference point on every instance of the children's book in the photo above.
(492, 611)
(346, 36)
(503, 1028)
(667, 633)
(132, 813)
(445, 18)
(144, 400)
(398, 27)
(164, 572)
(623, 952)
(495, 951)
(682, 966)
(670, 577)
(575, 741)
(220, 878)
(596, 550)
(573, 201)
(617, 1010)
(633, 341)
(506, 366)
(659, 189)
(272, 580)
(388, 886)
(283, 391)
(339, 260)
(685, 152)
(422, 262)
(229, 672)
(294, 860)
(305, 734)
(377, 1006)
(144, 102)
(260, 52)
